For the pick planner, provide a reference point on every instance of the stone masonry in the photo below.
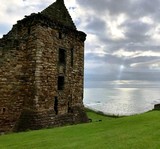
(41, 72)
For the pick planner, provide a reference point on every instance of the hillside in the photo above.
(134, 132)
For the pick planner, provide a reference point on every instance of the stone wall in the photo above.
(17, 69)
(41, 75)
(33, 120)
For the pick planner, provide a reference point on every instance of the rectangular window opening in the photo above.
(29, 30)
(56, 105)
(60, 82)
(3, 110)
(62, 56)
(60, 35)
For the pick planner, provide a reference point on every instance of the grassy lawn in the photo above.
(134, 132)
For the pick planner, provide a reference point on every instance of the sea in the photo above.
(121, 101)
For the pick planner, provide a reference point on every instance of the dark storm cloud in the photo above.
(112, 59)
(94, 4)
(107, 58)
(133, 8)
(146, 7)
(112, 6)
(141, 59)
(141, 47)
(95, 24)
(143, 76)
(136, 31)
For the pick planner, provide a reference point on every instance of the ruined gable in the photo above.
(57, 11)
(41, 72)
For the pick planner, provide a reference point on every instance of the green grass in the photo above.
(133, 132)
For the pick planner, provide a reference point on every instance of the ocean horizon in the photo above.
(122, 100)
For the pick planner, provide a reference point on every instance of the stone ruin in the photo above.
(41, 72)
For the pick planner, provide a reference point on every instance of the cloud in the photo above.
(136, 31)
(95, 25)
(153, 65)
(130, 35)
(122, 36)
(13, 10)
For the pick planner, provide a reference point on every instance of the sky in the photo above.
(122, 45)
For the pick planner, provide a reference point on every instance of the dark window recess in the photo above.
(69, 108)
(3, 110)
(29, 30)
(72, 57)
(16, 42)
(62, 56)
(56, 105)
(60, 35)
(24, 79)
(60, 83)
(82, 95)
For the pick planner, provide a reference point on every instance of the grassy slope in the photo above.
(134, 132)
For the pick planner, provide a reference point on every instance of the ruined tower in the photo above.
(41, 72)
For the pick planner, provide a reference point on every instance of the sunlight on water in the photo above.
(121, 101)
